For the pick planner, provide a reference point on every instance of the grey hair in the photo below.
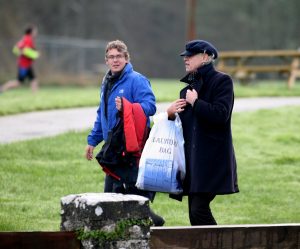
(210, 59)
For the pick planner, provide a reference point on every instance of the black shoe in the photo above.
(157, 220)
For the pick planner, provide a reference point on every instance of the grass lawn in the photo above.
(23, 100)
(35, 174)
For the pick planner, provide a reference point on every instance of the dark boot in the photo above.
(156, 219)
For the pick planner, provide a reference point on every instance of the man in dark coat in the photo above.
(205, 108)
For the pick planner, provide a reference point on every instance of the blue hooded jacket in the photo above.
(135, 88)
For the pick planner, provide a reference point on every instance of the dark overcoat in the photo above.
(209, 152)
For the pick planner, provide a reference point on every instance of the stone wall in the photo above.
(107, 220)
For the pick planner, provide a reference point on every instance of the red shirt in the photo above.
(25, 42)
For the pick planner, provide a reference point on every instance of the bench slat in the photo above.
(223, 237)
(251, 69)
(38, 240)
(259, 53)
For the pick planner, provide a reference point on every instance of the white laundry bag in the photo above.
(162, 164)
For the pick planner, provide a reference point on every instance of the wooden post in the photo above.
(295, 72)
(191, 23)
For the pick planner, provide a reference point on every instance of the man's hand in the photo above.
(89, 152)
(118, 102)
(177, 106)
(191, 96)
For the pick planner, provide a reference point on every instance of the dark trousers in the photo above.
(113, 186)
(199, 210)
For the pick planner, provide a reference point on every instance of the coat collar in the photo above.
(127, 69)
(202, 72)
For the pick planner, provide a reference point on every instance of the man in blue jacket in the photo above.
(121, 81)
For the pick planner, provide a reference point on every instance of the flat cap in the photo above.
(199, 46)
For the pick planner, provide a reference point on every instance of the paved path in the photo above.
(50, 123)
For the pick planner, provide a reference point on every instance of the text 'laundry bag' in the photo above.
(162, 164)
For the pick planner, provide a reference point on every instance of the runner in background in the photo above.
(26, 52)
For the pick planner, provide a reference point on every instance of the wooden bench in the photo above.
(38, 240)
(285, 236)
(202, 237)
(242, 64)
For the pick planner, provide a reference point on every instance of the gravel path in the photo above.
(49, 123)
